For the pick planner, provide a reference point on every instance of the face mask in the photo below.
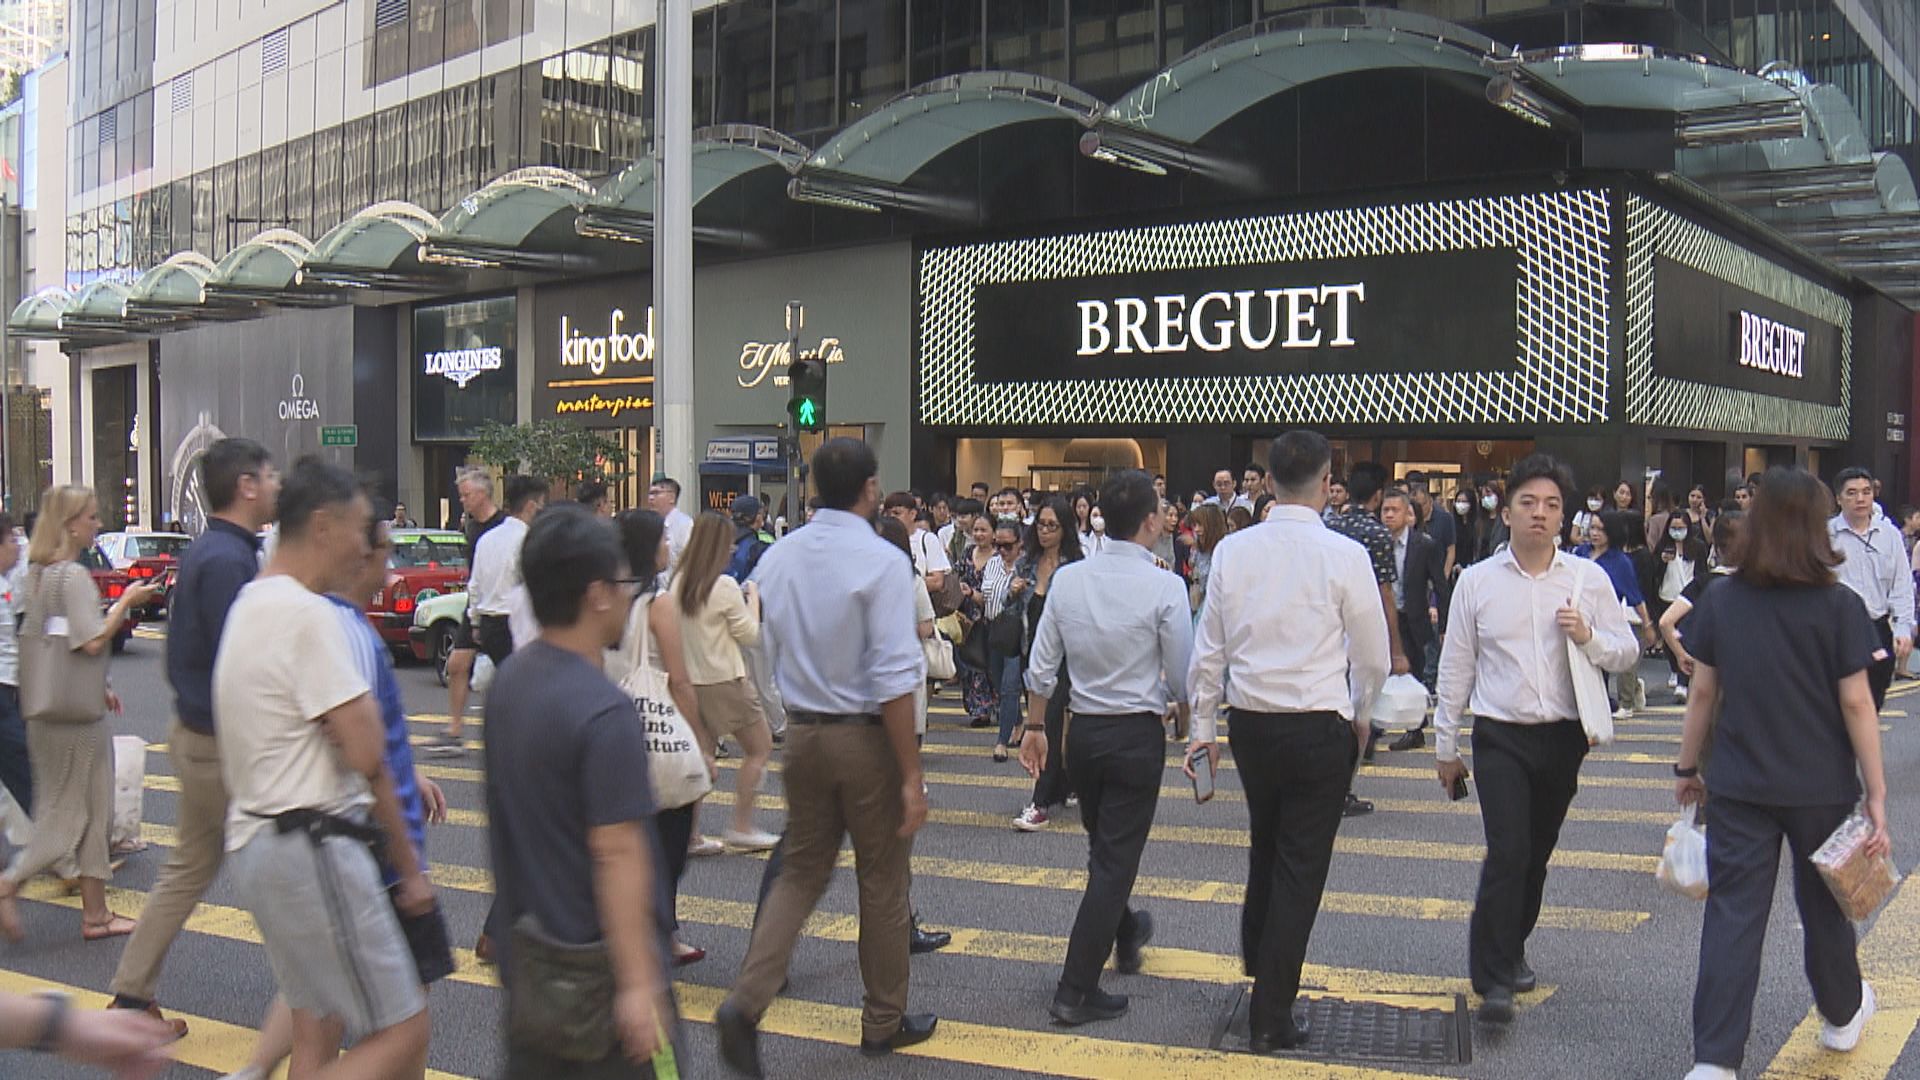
(1489, 502)
(1098, 523)
(1462, 507)
(1677, 534)
(1593, 505)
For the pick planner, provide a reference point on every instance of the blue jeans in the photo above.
(1008, 681)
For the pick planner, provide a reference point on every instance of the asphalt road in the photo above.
(1615, 954)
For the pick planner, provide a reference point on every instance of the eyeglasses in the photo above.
(1047, 526)
(1004, 545)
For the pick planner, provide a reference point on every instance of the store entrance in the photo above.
(1053, 464)
(1452, 462)
(442, 502)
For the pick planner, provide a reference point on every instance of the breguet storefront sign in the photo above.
(1716, 333)
(1432, 311)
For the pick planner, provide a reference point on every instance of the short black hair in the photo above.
(640, 532)
(522, 490)
(1365, 480)
(667, 482)
(899, 500)
(313, 485)
(841, 469)
(1539, 467)
(1127, 500)
(1008, 490)
(1618, 525)
(1398, 493)
(222, 466)
(979, 485)
(1256, 467)
(1296, 460)
(966, 507)
(588, 492)
(566, 550)
(939, 498)
(1848, 475)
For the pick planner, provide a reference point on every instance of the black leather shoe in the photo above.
(1356, 806)
(1073, 1009)
(739, 1040)
(926, 941)
(1524, 981)
(1126, 951)
(1497, 1006)
(1412, 740)
(914, 1030)
(1293, 1038)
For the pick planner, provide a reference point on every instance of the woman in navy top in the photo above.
(1606, 546)
(1780, 653)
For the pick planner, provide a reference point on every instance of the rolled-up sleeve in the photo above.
(1458, 655)
(1207, 673)
(893, 653)
(1176, 635)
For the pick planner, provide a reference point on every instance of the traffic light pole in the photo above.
(796, 317)
(673, 238)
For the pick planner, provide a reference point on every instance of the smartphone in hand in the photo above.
(1202, 763)
(1459, 789)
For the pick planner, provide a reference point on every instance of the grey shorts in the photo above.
(329, 929)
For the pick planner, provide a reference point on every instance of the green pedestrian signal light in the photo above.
(807, 383)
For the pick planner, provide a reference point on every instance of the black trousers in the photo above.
(1880, 673)
(15, 770)
(1052, 788)
(1115, 763)
(1743, 860)
(675, 828)
(1296, 768)
(1528, 776)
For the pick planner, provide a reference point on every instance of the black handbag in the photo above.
(973, 647)
(1007, 634)
(559, 996)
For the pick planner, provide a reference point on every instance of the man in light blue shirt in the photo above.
(1122, 627)
(1874, 564)
(842, 641)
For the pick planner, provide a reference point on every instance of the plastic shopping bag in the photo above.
(1401, 704)
(1861, 883)
(129, 786)
(1683, 865)
(482, 676)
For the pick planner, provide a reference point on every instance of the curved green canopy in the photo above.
(38, 316)
(623, 208)
(379, 246)
(527, 210)
(100, 306)
(262, 269)
(173, 290)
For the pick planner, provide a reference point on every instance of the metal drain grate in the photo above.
(1427, 1030)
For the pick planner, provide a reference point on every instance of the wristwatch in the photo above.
(1686, 774)
(56, 1023)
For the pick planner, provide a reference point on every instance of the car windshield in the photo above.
(140, 547)
(441, 550)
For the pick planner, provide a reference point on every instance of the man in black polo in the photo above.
(1366, 484)
(243, 489)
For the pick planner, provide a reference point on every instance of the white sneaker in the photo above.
(250, 1072)
(1623, 714)
(1680, 694)
(748, 841)
(1673, 682)
(1844, 1039)
(1032, 819)
(1711, 1072)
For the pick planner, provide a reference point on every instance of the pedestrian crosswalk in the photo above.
(1404, 874)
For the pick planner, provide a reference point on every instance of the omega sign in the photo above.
(1315, 314)
(1770, 346)
(298, 406)
(462, 366)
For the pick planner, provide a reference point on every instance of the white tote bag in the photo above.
(675, 767)
(1589, 682)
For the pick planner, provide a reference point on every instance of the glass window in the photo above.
(428, 41)
(460, 143)
(582, 81)
(429, 550)
(424, 151)
(703, 63)
(356, 168)
(297, 203)
(180, 199)
(1028, 35)
(630, 102)
(1115, 45)
(946, 41)
(501, 125)
(248, 220)
(387, 52)
(273, 188)
(329, 207)
(504, 19)
(389, 154)
(226, 195)
(743, 56)
(203, 229)
(807, 36)
(873, 57)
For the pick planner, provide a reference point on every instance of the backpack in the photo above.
(746, 555)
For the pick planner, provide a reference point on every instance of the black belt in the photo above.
(318, 825)
(822, 719)
(1158, 718)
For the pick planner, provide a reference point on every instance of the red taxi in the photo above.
(152, 558)
(112, 585)
(426, 563)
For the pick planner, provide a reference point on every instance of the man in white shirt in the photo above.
(1122, 626)
(1226, 495)
(303, 753)
(1874, 564)
(929, 556)
(1506, 661)
(663, 498)
(1293, 638)
(496, 568)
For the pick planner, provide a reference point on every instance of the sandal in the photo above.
(1000, 755)
(115, 926)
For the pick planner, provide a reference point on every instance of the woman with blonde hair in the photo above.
(717, 618)
(72, 762)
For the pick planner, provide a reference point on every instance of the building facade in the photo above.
(246, 134)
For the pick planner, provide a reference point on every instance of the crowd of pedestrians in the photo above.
(1091, 628)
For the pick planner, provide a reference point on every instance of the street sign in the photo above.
(340, 435)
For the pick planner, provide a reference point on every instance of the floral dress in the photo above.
(976, 686)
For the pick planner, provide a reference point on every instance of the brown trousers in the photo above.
(188, 872)
(840, 779)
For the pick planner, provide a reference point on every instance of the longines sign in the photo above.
(1425, 311)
